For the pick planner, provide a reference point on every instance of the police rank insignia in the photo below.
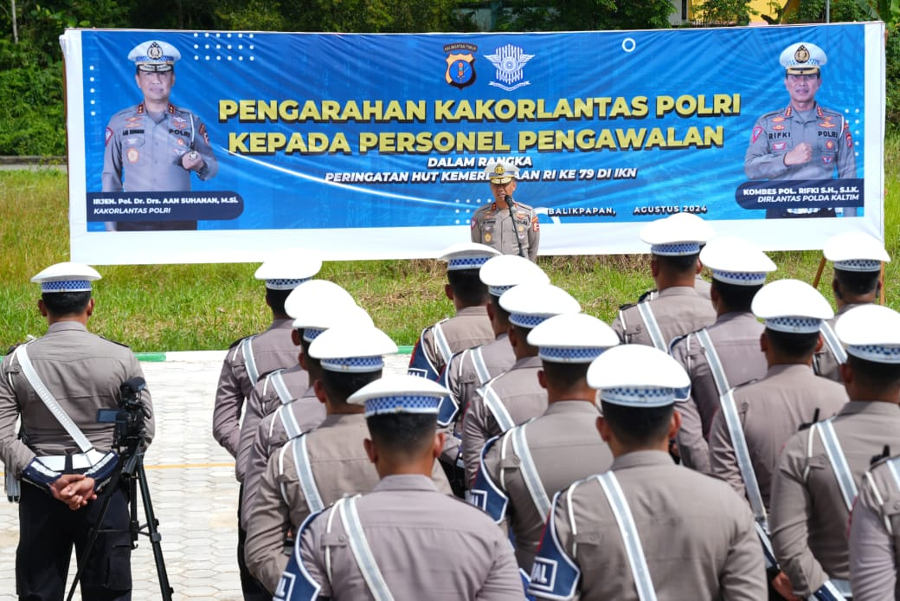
(460, 65)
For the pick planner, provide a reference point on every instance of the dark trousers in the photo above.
(252, 588)
(48, 530)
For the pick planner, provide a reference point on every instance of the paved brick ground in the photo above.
(192, 487)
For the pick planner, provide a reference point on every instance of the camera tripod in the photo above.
(131, 469)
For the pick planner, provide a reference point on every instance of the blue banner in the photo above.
(333, 133)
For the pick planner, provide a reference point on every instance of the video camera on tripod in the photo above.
(129, 416)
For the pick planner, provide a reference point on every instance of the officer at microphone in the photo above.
(509, 226)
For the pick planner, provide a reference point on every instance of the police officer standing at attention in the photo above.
(647, 528)
(804, 141)
(470, 369)
(674, 264)
(822, 467)
(514, 396)
(509, 226)
(727, 353)
(63, 457)
(405, 539)
(470, 326)
(320, 466)
(857, 259)
(155, 146)
(875, 523)
(249, 359)
(757, 419)
(523, 469)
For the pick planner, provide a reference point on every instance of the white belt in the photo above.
(80, 461)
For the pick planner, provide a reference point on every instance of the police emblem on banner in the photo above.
(460, 65)
(510, 62)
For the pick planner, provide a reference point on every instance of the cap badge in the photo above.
(499, 169)
(155, 51)
(801, 55)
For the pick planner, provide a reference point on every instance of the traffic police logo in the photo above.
(779, 145)
(510, 61)
(155, 51)
(801, 55)
(756, 132)
(133, 155)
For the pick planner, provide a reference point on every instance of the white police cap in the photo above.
(501, 172)
(325, 315)
(791, 306)
(350, 349)
(289, 269)
(636, 375)
(397, 394)
(154, 55)
(855, 251)
(802, 58)
(530, 304)
(467, 255)
(502, 272)
(677, 235)
(311, 295)
(572, 338)
(870, 332)
(734, 260)
(66, 277)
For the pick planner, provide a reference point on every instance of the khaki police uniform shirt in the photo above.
(735, 337)
(809, 519)
(492, 226)
(875, 535)
(143, 150)
(697, 535)
(771, 411)
(262, 401)
(777, 133)
(678, 311)
(426, 545)
(462, 380)
(305, 412)
(339, 466)
(469, 327)
(83, 372)
(565, 446)
(272, 349)
(522, 396)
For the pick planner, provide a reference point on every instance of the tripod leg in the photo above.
(153, 533)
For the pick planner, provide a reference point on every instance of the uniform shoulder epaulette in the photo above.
(678, 339)
(646, 295)
(115, 342)
(237, 342)
(779, 113)
(10, 350)
(627, 306)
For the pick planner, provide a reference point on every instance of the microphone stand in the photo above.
(512, 219)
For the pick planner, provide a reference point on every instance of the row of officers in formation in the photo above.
(713, 442)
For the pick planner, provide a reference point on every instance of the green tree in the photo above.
(581, 15)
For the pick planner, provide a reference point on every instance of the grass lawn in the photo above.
(202, 307)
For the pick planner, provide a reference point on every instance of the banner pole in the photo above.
(819, 273)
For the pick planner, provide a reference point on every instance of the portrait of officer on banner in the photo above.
(805, 143)
(155, 146)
